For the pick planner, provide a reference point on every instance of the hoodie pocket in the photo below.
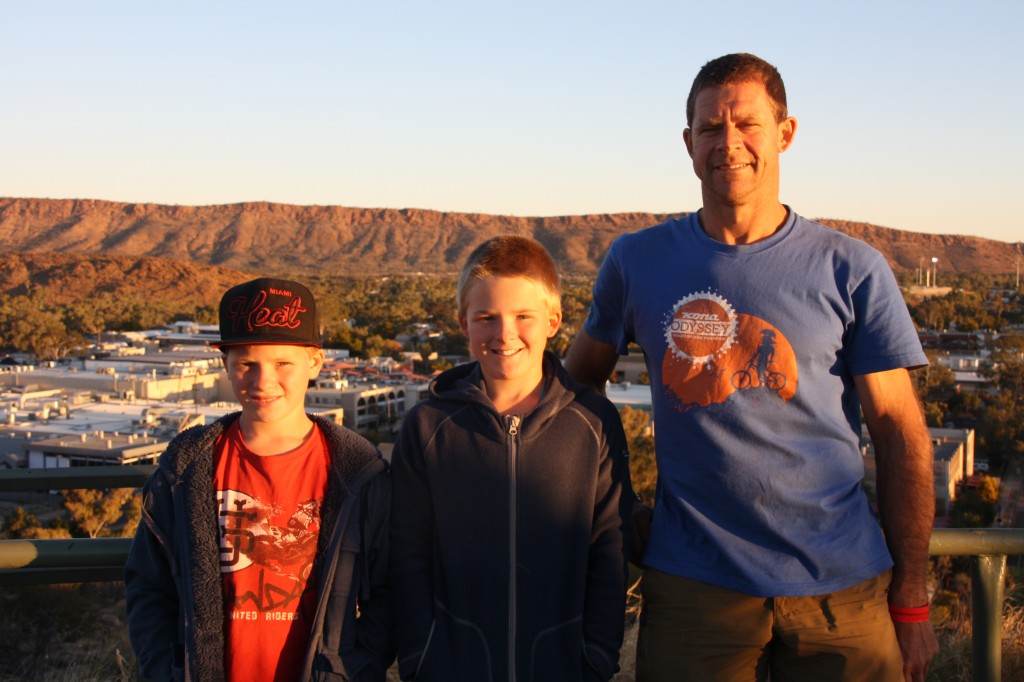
(455, 649)
(557, 654)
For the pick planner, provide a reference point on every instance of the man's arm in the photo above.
(906, 501)
(591, 362)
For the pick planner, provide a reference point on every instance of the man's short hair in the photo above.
(510, 256)
(739, 68)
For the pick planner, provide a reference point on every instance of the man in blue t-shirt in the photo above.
(765, 336)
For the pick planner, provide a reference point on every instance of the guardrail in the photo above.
(69, 560)
(68, 478)
(987, 549)
(24, 562)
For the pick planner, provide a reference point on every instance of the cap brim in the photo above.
(263, 342)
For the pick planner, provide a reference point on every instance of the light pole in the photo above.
(935, 272)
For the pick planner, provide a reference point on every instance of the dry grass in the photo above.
(65, 632)
(77, 632)
(952, 617)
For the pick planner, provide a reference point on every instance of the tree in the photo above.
(560, 342)
(95, 512)
(440, 365)
(17, 524)
(965, 405)
(934, 415)
(988, 489)
(971, 510)
(1001, 427)
(377, 346)
(22, 525)
(643, 468)
(33, 325)
(101, 312)
(1008, 365)
(935, 381)
(343, 335)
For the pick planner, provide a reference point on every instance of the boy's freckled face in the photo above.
(508, 322)
(270, 381)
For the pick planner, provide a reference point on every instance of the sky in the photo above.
(528, 108)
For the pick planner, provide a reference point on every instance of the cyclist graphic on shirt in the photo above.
(746, 353)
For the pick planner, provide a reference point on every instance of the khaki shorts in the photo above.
(694, 631)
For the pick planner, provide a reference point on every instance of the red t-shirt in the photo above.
(269, 519)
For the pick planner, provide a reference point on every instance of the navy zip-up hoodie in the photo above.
(509, 536)
(173, 584)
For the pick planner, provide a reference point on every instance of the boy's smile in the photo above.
(508, 323)
(270, 381)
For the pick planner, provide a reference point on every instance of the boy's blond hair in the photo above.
(510, 255)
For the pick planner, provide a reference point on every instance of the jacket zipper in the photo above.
(512, 424)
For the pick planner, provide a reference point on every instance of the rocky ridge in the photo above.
(261, 237)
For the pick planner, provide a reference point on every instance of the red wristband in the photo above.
(909, 614)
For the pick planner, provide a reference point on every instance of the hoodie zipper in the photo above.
(512, 425)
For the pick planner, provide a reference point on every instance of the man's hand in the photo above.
(642, 516)
(918, 645)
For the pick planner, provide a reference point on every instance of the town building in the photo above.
(129, 398)
(952, 466)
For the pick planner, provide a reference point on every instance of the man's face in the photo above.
(735, 142)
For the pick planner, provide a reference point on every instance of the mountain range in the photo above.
(284, 239)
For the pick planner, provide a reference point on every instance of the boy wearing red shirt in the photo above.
(262, 554)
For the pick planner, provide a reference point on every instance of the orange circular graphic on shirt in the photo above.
(758, 359)
(702, 325)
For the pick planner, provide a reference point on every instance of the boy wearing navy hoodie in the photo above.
(510, 498)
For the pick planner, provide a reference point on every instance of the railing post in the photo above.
(987, 575)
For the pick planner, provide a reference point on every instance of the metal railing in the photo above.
(24, 562)
(68, 560)
(987, 549)
(68, 478)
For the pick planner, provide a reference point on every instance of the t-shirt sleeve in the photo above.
(883, 336)
(607, 320)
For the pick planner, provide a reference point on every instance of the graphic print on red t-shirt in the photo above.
(714, 351)
(269, 519)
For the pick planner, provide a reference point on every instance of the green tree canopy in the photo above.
(643, 468)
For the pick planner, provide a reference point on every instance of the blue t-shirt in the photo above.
(751, 351)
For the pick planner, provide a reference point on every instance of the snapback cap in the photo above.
(268, 310)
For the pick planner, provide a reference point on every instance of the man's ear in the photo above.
(688, 141)
(787, 130)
